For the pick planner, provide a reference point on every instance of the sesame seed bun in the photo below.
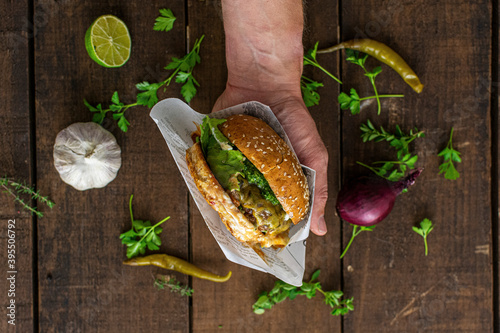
(274, 159)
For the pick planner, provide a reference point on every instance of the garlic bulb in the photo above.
(86, 156)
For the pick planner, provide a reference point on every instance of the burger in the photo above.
(250, 176)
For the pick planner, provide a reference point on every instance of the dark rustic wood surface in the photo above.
(70, 277)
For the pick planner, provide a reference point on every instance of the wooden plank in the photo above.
(228, 307)
(396, 288)
(82, 283)
(15, 162)
(495, 105)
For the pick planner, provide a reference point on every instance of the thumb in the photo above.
(317, 159)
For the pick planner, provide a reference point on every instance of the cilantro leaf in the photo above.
(165, 21)
(141, 235)
(450, 155)
(424, 230)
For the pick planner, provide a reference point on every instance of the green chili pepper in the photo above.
(176, 264)
(383, 53)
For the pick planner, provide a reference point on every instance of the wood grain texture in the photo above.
(83, 285)
(228, 307)
(396, 288)
(15, 162)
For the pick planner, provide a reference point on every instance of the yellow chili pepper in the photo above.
(383, 53)
(176, 264)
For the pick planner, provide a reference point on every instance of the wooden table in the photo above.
(70, 276)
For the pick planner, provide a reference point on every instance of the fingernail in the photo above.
(322, 225)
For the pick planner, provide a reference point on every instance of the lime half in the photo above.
(108, 41)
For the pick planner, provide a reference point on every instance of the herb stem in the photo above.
(153, 228)
(367, 166)
(372, 80)
(9, 185)
(354, 234)
(425, 245)
(381, 96)
(130, 208)
(327, 72)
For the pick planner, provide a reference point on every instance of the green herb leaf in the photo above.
(183, 71)
(281, 291)
(165, 21)
(392, 170)
(175, 286)
(355, 232)
(17, 190)
(309, 90)
(424, 230)
(188, 90)
(123, 123)
(450, 155)
(115, 99)
(350, 101)
(141, 235)
(310, 59)
(149, 95)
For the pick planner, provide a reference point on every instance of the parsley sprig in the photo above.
(392, 170)
(308, 86)
(450, 155)
(309, 90)
(148, 95)
(16, 189)
(141, 235)
(356, 230)
(116, 107)
(169, 281)
(165, 21)
(282, 291)
(424, 230)
(352, 101)
(310, 59)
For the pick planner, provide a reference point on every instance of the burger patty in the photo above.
(266, 217)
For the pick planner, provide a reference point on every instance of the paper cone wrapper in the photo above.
(176, 121)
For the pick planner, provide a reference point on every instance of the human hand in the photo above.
(264, 56)
(301, 130)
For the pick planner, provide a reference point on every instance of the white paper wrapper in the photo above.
(176, 121)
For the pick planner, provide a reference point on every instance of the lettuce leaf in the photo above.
(224, 160)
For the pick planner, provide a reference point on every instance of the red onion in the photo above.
(366, 201)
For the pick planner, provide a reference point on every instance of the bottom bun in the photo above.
(234, 220)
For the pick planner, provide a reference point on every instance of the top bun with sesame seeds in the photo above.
(250, 176)
(274, 159)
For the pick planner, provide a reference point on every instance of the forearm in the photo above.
(264, 43)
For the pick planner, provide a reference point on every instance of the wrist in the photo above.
(264, 43)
